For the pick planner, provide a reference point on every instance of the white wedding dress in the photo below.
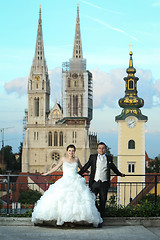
(67, 200)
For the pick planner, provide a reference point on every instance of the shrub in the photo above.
(29, 196)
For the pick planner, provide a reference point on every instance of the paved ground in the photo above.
(79, 233)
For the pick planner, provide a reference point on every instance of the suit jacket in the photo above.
(92, 163)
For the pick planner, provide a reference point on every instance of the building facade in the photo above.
(131, 139)
(50, 131)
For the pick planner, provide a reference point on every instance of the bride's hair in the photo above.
(71, 146)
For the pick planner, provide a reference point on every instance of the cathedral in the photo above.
(50, 131)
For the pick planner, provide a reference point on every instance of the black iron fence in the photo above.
(126, 192)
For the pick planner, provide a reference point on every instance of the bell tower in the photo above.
(77, 83)
(131, 138)
(38, 83)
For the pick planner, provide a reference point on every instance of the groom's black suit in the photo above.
(100, 187)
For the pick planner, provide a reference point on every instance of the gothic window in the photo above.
(36, 104)
(49, 139)
(74, 137)
(43, 85)
(69, 82)
(75, 105)
(81, 105)
(34, 135)
(131, 144)
(131, 167)
(61, 139)
(55, 139)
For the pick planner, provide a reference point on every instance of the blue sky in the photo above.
(107, 30)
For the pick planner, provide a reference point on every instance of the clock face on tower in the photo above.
(37, 78)
(131, 122)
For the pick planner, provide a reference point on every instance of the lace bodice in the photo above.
(70, 169)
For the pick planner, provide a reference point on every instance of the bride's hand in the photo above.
(44, 174)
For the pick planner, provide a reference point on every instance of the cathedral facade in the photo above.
(50, 131)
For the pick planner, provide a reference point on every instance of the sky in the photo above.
(107, 30)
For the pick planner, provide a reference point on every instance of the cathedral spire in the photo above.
(39, 62)
(77, 49)
(38, 83)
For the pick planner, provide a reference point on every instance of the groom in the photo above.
(99, 182)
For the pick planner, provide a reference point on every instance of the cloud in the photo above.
(107, 87)
(157, 92)
(156, 3)
(145, 86)
(110, 87)
(18, 85)
(55, 76)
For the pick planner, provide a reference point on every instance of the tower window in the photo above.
(130, 84)
(131, 167)
(75, 105)
(36, 104)
(69, 83)
(43, 85)
(81, 105)
(131, 144)
(61, 139)
(74, 137)
(49, 139)
(55, 139)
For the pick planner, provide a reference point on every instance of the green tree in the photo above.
(9, 158)
(154, 166)
(19, 160)
(29, 196)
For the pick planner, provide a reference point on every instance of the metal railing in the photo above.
(128, 193)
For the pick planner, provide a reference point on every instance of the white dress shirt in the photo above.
(101, 168)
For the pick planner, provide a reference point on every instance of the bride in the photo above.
(69, 200)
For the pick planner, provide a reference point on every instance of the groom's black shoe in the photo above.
(100, 225)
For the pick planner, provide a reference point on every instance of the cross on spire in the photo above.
(131, 47)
